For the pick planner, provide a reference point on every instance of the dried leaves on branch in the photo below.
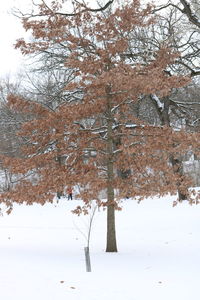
(96, 142)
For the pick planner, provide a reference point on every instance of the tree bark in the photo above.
(111, 233)
(177, 166)
(176, 163)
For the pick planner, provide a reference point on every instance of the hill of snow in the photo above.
(42, 253)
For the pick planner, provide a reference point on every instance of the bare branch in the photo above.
(85, 9)
(167, 5)
(188, 12)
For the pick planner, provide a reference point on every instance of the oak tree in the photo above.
(95, 142)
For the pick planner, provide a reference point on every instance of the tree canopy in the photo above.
(94, 142)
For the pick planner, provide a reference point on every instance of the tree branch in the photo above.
(188, 12)
(102, 8)
(168, 5)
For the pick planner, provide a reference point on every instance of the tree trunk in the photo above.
(177, 166)
(111, 234)
(176, 163)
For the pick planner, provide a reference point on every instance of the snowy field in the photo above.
(42, 253)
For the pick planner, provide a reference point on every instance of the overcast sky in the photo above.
(10, 30)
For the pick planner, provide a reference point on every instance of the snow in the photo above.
(42, 253)
(158, 102)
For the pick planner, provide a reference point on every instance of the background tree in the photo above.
(10, 123)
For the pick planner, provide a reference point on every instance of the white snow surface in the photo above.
(42, 253)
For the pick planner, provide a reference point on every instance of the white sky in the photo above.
(10, 30)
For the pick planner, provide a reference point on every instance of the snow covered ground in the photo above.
(42, 256)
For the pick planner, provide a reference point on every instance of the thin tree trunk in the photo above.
(111, 234)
